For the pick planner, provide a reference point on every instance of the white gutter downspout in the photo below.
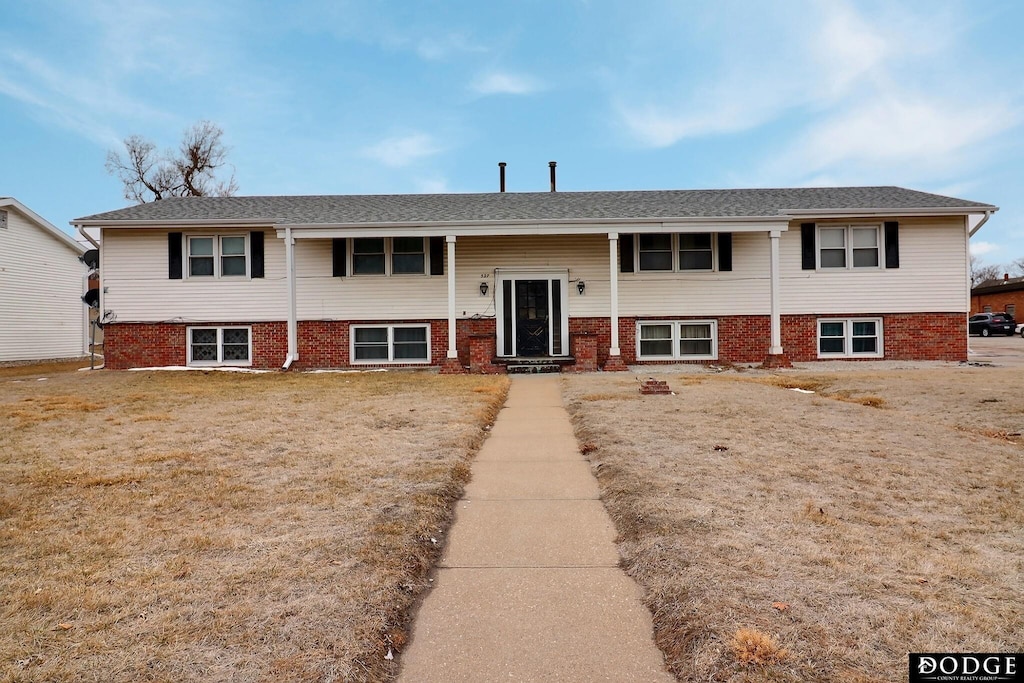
(293, 324)
(83, 233)
(976, 228)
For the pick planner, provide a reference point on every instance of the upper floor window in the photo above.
(389, 256)
(218, 256)
(849, 246)
(675, 252)
(3, 219)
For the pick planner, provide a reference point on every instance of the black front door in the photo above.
(532, 317)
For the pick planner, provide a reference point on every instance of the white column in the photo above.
(613, 263)
(293, 319)
(776, 324)
(453, 351)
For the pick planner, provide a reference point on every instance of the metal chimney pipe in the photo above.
(501, 175)
(551, 165)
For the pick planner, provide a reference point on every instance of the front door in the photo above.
(532, 313)
(532, 317)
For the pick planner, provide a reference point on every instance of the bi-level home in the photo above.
(586, 280)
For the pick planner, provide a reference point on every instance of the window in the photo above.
(368, 256)
(3, 219)
(849, 246)
(1011, 310)
(219, 346)
(221, 256)
(695, 251)
(390, 343)
(850, 337)
(389, 256)
(677, 340)
(686, 251)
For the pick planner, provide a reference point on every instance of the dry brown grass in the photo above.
(187, 527)
(878, 531)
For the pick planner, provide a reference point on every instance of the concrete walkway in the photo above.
(529, 587)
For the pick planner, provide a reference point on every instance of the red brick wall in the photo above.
(741, 339)
(999, 301)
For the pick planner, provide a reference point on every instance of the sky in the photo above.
(375, 97)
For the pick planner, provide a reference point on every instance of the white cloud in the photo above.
(504, 83)
(403, 150)
(981, 248)
(918, 135)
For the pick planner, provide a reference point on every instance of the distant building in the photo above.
(41, 284)
(996, 296)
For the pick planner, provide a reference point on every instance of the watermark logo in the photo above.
(993, 667)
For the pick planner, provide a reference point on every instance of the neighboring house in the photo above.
(589, 279)
(996, 296)
(41, 284)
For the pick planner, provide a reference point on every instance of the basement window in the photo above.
(850, 338)
(216, 346)
(390, 344)
(677, 340)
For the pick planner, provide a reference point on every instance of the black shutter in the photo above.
(808, 259)
(724, 251)
(626, 253)
(338, 255)
(437, 256)
(256, 255)
(892, 244)
(174, 255)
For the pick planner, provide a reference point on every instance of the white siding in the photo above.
(137, 288)
(41, 284)
(931, 276)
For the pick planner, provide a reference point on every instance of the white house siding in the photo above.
(41, 284)
(931, 276)
(137, 288)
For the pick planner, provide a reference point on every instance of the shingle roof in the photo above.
(534, 206)
(1012, 284)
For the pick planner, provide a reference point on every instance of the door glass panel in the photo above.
(556, 317)
(531, 317)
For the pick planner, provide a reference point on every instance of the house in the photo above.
(41, 284)
(585, 279)
(995, 296)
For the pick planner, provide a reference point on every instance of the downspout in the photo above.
(293, 325)
(976, 228)
(87, 236)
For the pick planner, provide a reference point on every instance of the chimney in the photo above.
(501, 175)
(551, 165)
(1006, 277)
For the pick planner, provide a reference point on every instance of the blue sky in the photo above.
(393, 97)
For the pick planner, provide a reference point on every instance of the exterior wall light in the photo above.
(581, 286)
(483, 288)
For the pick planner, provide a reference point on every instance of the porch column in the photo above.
(776, 357)
(776, 325)
(614, 361)
(453, 351)
(293, 319)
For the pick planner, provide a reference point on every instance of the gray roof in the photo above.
(536, 206)
(996, 285)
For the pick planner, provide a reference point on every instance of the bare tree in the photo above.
(190, 171)
(1017, 267)
(980, 273)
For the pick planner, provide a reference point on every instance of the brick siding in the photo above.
(741, 339)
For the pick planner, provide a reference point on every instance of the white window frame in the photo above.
(676, 325)
(389, 258)
(220, 362)
(391, 360)
(848, 246)
(848, 351)
(218, 250)
(676, 260)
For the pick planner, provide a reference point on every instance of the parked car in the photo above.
(1020, 330)
(987, 324)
